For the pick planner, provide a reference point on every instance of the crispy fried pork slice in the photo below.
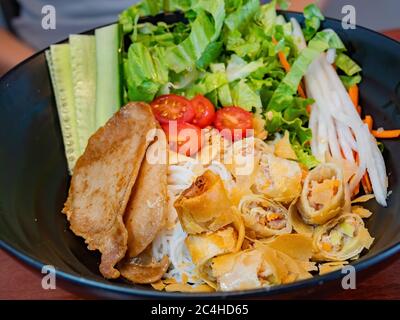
(146, 211)
(102, 182)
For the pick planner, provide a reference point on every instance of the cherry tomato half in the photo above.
(204, 111)
(233, 122)
(183, 137)
(172, 107)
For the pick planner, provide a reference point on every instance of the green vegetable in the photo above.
(108, 90)
(313, 18)
(243, 96)
(350, 81)
(239, 69)
(346, 64)
(59, 62)
(283, 95)
(205, 29)
(83, 65)
(227, 51)
(335, 237)
(145, 72)
(347, 228)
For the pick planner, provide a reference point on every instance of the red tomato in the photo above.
(172, 107)
(204, 111)
(183, 137)
(233, 122)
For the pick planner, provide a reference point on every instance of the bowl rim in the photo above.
(145, 293)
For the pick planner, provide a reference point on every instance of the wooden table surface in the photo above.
(20, 282)
(17, 281)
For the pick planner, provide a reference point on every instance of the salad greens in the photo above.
(228, 51)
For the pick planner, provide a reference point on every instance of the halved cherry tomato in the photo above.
(172, 107)
(233, 122)
(183, 137)
(204, 111)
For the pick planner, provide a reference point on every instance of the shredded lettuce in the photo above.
(227, 50)
(313, 18)
(346, 64)
(245, 97)
(350, 81)
(238, 68)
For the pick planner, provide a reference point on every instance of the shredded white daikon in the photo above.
(337, 127)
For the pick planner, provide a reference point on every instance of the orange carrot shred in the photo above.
(286, 65)
(366, 183)
(386, 134)
(369, 121)
(353, 93)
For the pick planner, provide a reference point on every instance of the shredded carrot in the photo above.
(326, 246)
(386, 134)
(301, 92)
(353, 93)
(359, 110)
(357, 188)
(366, 183)
(369, 121)
(286, 65)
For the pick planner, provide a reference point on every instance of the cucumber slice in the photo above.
(59, 58)
(83, 65)
(108, 90)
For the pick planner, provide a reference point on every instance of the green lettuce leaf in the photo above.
(283, 95)
(205, 29)
(313, 18)
(245, 97)
(130, 16)
(238, 19)
(346, 64)
(304, 155)
(238, 68)
(350, 81)
(145, 72)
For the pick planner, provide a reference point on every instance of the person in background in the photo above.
(24, 35)
(27, 35)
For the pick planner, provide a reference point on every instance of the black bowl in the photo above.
(34, 178)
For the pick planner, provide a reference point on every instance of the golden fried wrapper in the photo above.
(159, 285)
(264, 217)
(341, 238)
(361, 211)
(297, 221)
(364, 198)
(331, 266)
(239, 271)
(256, 268)
(205, 246)
(204, 206)
(289, 269)
(284, 149)
(278, 179)
(322, 197)
(144, 274)
(182, 287)
(296, 246)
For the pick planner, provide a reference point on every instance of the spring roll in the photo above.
(255, 268)
(264, 217)
(341, 238)
(322, 197)
(205, 205)
(278, 178)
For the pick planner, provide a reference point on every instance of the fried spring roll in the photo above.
(322, 197)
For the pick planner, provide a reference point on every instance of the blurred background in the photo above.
(21, 32)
